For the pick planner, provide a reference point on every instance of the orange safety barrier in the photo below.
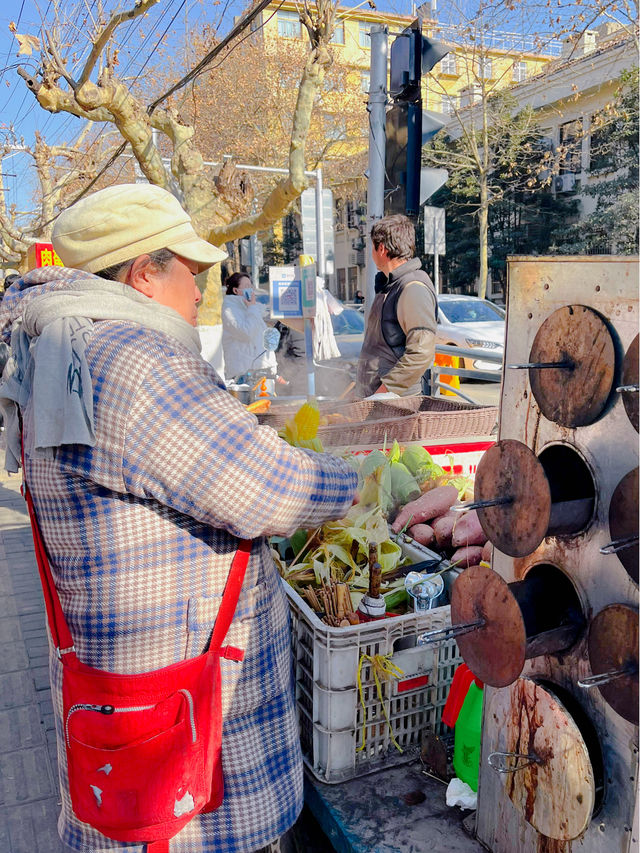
(446, 378)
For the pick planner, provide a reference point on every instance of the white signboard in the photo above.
(309, 233)
(434, 231)
(286, 292)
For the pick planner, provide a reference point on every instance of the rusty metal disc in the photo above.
(509, 469)
(556, 793)
(613, 644)
(573, 396)
(495, 653)
(623, 521)
(630, 377)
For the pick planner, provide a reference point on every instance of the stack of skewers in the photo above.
(332, 601)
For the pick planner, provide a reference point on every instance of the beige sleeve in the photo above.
(417, 317)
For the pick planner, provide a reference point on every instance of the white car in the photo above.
(472, 323)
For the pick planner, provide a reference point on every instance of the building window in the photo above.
(365, 82)
(519, 72)
(352, 281)
(342, 284)
(449, 65)
(333, 83)
(485, 68)
(364, 37)
(288, 25)
(335, 127)
(449, 104)
(602, 151)
(338, 33)
(571, 147)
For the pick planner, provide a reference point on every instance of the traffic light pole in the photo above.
(377, 140)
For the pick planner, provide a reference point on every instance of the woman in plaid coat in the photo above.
(141, 513)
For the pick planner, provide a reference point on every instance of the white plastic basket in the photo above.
(331, 710)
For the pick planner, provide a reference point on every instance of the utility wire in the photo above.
(235, 31)
(239, 27)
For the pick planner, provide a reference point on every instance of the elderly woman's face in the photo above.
(175, 286)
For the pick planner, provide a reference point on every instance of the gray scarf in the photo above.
(48, 360)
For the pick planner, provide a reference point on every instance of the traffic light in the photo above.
(408, 127)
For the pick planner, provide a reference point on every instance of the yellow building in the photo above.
(501, 58)
(476, 62)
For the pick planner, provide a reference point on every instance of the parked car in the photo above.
(348, 328)
(473, 323)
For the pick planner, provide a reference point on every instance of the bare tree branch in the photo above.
(99, 43)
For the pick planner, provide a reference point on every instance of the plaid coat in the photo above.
(141, 530)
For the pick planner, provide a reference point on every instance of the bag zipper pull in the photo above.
(102, 709)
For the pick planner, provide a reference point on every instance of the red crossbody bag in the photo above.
(144, 750)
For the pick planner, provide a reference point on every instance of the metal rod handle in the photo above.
(606, 677)
(628, 388)
(619, 544)
(542, 365)
(465, 507)
(447, 633)
(529, 759)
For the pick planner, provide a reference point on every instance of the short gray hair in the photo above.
(160, 258)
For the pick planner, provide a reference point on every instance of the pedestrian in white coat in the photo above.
(243, 328)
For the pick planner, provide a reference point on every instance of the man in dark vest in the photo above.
(399, 339)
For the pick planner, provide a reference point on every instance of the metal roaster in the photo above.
(552, 627)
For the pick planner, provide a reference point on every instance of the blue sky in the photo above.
(176, 18)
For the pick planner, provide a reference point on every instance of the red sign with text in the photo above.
(42, 255)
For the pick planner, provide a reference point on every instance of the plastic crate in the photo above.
(331, 713)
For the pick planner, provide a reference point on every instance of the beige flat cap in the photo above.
(123, 222)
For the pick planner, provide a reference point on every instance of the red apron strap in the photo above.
(60, 633)
(231, 594)
(58, 627)
(158, 846)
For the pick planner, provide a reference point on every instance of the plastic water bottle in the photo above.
(466, 749)
(424, 589)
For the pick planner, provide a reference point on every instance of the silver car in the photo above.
(472, 323)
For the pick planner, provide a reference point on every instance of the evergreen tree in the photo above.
(613, 225)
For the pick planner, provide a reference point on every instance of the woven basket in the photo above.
(405, 419)
(354, 412)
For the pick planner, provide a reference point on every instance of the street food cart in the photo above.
(550, 623)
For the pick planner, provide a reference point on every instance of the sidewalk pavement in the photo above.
(29, 802)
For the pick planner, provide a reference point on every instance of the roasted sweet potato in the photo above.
(467, 530)
(468, 556)
(422, 533)
(443, 528)
(427, 506)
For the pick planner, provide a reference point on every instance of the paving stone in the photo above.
(33, 622)
(32, 828)
(37, 650)
(25, 776)
(9, 630)
(8, 606)
(40, 677)
(41, 658)
(30, 602)
(20, 728)
(16, 688)
(13, 656)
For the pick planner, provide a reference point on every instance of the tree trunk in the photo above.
(483, 218)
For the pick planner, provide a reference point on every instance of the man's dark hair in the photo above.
(234, 281)
(397, 234)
